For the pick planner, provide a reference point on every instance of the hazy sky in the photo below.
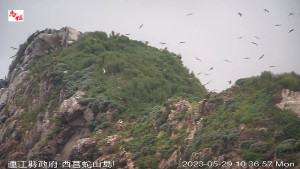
(211, 32)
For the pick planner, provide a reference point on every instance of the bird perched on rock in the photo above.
(229, 81)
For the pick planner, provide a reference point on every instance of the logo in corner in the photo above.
(15, 15)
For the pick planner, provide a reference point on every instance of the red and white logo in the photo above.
(15, 15)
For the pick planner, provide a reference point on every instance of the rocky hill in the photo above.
(95, 97)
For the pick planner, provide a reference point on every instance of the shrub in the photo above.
(297, 146)
(251, 156)
(79, 80)
(286, 147)
(166, 127)
(101, 121)
(230, 105)
(160, 118)
(3, 83)
(279, 135)
(100, 104)
(100, 35)
(260, 147)
(55, 76)
(219, 101)
(58, 124)
(104, 125)
(246, 144)
(86, 101)
(217, 146)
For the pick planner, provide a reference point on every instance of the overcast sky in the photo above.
(211, 32)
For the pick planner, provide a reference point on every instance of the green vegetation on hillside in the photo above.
(128, 78)
(128, 72)
(268, 131)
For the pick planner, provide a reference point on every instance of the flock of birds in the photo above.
(246, 58)
(208, 72)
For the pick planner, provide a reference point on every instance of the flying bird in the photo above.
(229, 81)
(13, 48)
(291, 30)
(246, 58)
(13, 56)
(291, 13)
(162, 43)
(261, 57)
(254, 43)
(181, 42)
(198, 59)
(272, 66)
(189, 14)
(127, 34)
(227, 60)
(267, 10)
(211, 68)
(207, 83)
(206, 74)
(141, 26)
(278, 25)
(256, 37)
(240, 37)
(199, 73)
(240, 14)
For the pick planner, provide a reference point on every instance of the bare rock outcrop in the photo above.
(207, 105)
(50, 39)
(290, 100)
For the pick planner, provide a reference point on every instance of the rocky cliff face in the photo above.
(16, 142)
